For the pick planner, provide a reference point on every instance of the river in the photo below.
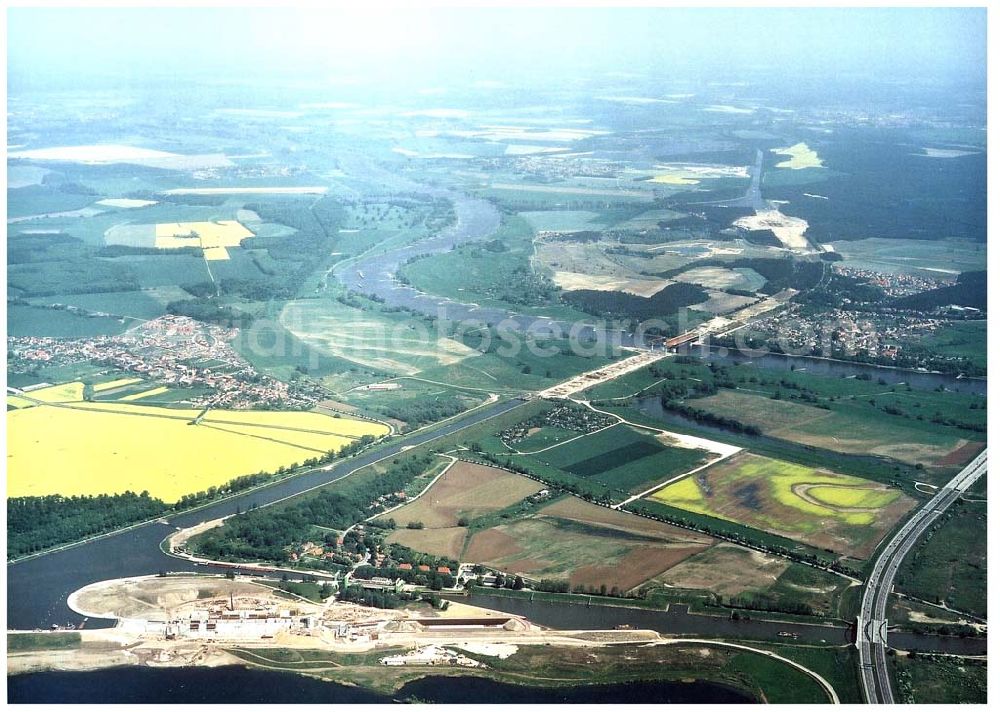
(678, 620)
(832, 368)
(240, 685)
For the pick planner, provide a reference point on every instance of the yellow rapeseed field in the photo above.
(117, 383)
(145, 394)
(95, 448)
(212, 237)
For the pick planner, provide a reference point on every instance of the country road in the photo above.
(872, 624)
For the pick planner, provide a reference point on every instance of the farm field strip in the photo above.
(108, 385)
(145, 394)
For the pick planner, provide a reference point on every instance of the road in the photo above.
(872, 623)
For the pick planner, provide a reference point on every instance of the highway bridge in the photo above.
(872, 624)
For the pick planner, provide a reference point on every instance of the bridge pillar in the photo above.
(882, 631)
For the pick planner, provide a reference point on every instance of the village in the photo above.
(173, 351)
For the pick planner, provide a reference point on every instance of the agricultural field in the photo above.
(413, 402)
(494, 369)
(840, 429)
(742, 278)
(70, 447)
(116, 383)
(38, 321)
(212, 237)
(741, 577)
(847, 515)
(586, 544)
(924, 258)
(622, 458)
(139, 304)
(463, 493)
(394, 344)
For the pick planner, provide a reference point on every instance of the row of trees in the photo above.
(37, 523)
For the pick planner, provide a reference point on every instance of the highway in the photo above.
(872, 623)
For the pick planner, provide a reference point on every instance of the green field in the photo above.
(938, 679)
(838, 666)
(146, 304)
(546, 437)
(519, 368)
(36, 321)
(924, 258)
(551, 665)
(949, 565)
(19, 642)
(622, 458)
(917, 427)
(415, 402)
(961, 340)
(842, 428)
(777, 497)
(776, 684)
(563, 220)
(163, 270)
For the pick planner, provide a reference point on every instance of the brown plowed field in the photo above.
(446, 542)
(465, 490)
(586, 544)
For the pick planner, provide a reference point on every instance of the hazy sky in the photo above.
(49, 44)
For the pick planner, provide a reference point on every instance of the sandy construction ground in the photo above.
(153, 597)
(800, 156)
(791, 231)
(946, 153)
(125, 203)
